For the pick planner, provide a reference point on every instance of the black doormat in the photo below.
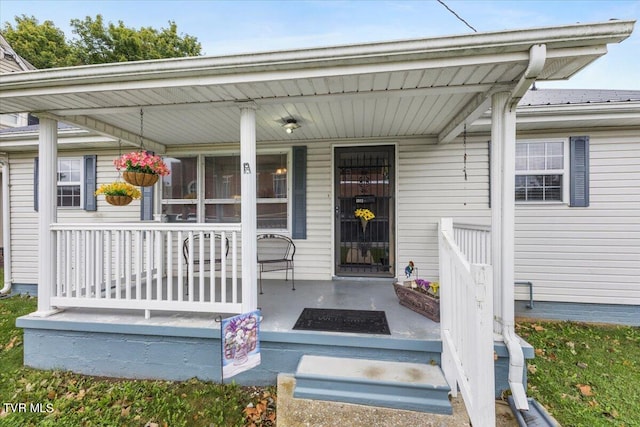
(333, 320)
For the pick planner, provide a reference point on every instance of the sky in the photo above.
(229, 27)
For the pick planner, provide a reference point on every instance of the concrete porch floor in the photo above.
(281, 307)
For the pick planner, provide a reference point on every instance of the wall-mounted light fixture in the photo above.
(290, 125)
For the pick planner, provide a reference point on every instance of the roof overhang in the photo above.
(422, 87)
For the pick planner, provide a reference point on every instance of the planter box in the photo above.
(419, 302)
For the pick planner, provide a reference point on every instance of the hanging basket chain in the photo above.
(464, 144)
(141, 130)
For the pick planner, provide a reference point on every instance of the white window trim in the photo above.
(566, 175)
(80, 183)
(201, 202)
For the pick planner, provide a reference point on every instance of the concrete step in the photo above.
(398, 385)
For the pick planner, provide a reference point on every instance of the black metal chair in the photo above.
(275, 253)
(196, 250)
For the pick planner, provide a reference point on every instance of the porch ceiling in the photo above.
(405, 88)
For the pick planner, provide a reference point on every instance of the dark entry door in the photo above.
(364, 206)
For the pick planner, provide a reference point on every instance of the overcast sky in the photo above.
(225, 27)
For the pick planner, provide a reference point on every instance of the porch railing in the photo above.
(141, 266)
(466, 316)
(474, 242)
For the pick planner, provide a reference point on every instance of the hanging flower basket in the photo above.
(141, 168)
(118, 200)
(140, 179)
(118, 193)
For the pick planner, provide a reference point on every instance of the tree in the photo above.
(97, 43)
(45, 46)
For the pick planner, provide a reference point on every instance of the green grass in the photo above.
(585, 375)
(72, 400)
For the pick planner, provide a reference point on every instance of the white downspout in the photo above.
(537, 58)
(6, 226)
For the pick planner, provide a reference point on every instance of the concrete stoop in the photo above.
(397, 385)
(298, 412)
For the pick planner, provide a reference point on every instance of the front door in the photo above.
(364, 206)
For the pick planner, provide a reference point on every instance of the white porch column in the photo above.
(248, 207)
(503, 139)
(47, 211)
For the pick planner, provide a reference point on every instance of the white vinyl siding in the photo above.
(571, 254)
(24, 219)
(431, 185)
(588, 254)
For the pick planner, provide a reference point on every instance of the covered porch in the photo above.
(415, 96)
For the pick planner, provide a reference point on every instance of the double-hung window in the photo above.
(542, 171)
(75, 182)
(70, 180)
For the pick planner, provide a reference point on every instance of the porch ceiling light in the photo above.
(290, 125)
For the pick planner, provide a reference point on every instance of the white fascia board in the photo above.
(282, 62)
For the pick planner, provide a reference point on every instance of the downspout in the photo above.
(6, 226)
(537, 58)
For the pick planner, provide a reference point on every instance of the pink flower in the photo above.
(141, 161)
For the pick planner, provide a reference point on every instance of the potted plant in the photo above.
(141, 168)
(420, 296)
(118, 193)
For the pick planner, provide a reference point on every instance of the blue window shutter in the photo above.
(146, 205)
(90, 200)
(35, 184)
(579, 171)
(299, 184)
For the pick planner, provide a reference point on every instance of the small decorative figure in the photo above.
(408, 270)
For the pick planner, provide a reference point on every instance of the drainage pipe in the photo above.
(6, 226)
(537, 58)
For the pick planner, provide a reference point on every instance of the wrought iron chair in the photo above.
(207, 258)
(275, 253)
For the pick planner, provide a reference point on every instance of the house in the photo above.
(11, 62)
(293, 142)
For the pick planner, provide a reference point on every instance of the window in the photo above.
(541, 171)
(207, 189)
(76, 182)
(70, 181)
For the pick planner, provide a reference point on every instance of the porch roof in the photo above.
(420, 87)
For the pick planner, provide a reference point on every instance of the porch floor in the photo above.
(282, 306)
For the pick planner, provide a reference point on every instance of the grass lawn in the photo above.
(72, 400)
(585, 375)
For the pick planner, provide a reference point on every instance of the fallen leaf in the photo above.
(582, 365)
(585, 389)
(538, 328)
(11, 343)
(539, 352)
(51, 394)
(125, 411)
(532, 369)
(250, 411)
(593, 403)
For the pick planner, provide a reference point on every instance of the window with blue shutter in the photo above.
(299, 199)
(579, 181)
(146, 205)
(76, 178)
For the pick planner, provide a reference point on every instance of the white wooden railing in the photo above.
(466, 325)
(141, 266)
(474, 242)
